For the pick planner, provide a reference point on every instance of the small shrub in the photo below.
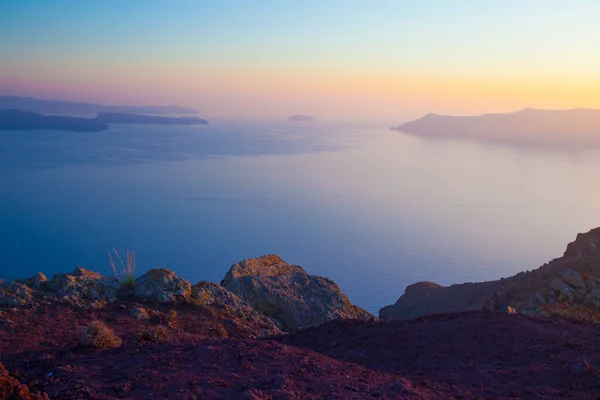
(98, 335)
(125, 273)
(151, 334)
(221, 332)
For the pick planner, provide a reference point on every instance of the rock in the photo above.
(427, 298)
(595, 294)
(289, 294)
(139, 312)
(37, 282)
(82, 284)
(556, 285)
(585, 244)
(16, 295)
(214, 295)
(540, 298)
(163, 286)
(572, 278)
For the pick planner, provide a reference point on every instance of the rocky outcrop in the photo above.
(289, 294)
(586, 244)
(16, 295)
(83, 285)
(573, 279)
(162, 286)
(216, 296)
(37, 282)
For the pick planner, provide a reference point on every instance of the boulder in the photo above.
(213, 295)
(572, 278)
(37, 282)
(556, 285)
(16, 295)
(82, 284)
(163, 286)
(289, 294)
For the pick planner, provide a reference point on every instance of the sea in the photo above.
(372, 209)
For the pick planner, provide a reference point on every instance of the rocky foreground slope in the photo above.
(272, 331)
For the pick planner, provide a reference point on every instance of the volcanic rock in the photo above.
(572, 278)
(163, 286)
(289, 294)
(216, 296)
(82, 284)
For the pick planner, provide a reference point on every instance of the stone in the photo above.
(162, 286)
(540, 298)
(572, 278)
(289, 294)
(82, 284)
(16, 295)
(556, 284)
(139, 313)
(37, 282)
(212, 294)
(584, 245)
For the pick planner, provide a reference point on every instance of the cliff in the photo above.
(573, 279)
(528, 126)
(23, 120)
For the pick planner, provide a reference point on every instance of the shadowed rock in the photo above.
(290, 295)
(216, 296)
(82, 284)
(163, 286)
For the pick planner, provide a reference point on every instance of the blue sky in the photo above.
(186, 49)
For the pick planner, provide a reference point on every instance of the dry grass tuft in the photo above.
(151, 334)
(98, 335)
(125, 272)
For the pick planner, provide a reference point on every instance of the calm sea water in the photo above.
(372, 209)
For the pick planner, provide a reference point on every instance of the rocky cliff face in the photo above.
(573, 279)
(289, 294)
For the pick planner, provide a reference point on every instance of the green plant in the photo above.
(125, 272)
(98, 335)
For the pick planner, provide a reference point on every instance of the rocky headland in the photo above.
(572, 280)
(575, 128)
(270, 330)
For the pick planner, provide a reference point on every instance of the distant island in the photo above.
(76, 108)
(25, 120)
(121, 118)
(301, 118)
(525, 126)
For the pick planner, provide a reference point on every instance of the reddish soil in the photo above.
(467, 355)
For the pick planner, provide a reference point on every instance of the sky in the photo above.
(368, 60)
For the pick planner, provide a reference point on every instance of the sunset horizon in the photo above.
(271, 59)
